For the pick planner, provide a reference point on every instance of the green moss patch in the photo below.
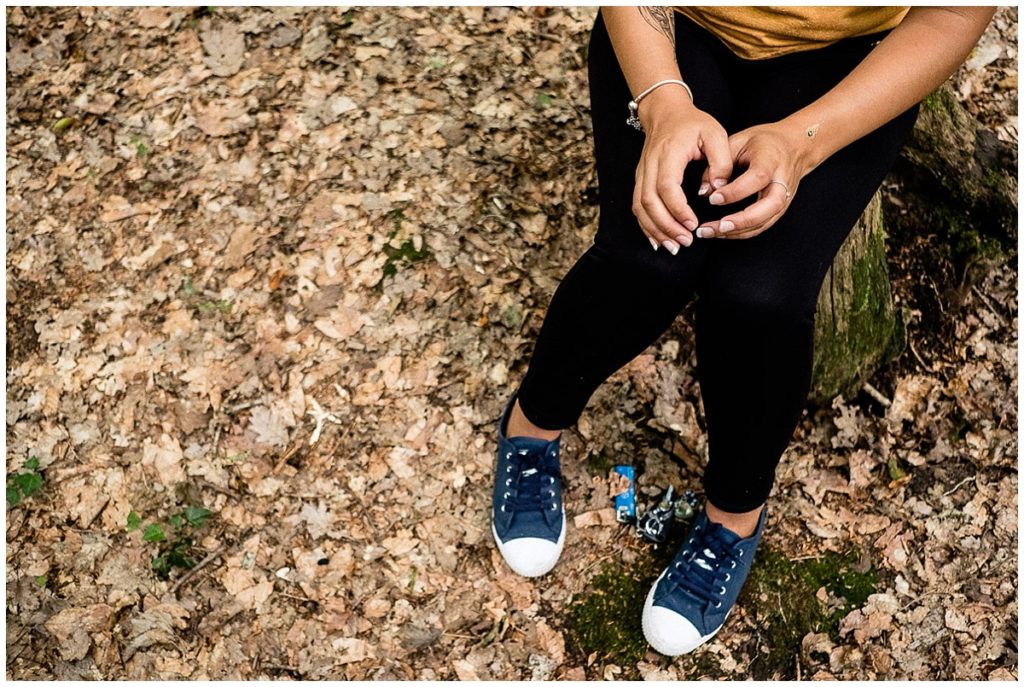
(867, 332)
(401, 251)
(606, 620)
(781, 595)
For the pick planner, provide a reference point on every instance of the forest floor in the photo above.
(271, 277)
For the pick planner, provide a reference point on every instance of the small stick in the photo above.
(239, 407)
(984, 299)
(285, 456)
(910, 342)
(202, 564)
(877, 395)
(959, 484)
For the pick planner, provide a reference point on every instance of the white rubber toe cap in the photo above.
(531, 556)
(668, 632)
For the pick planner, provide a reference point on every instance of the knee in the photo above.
(759, 303)
(635, 262)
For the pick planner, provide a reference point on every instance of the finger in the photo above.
(654, 206)
(750, 233)
(705, 182)
(715, 146)
(668, 186)
(771, 204)
(707, 230)
(647, 225)
(638, 212)
(755, 178)
(656, 219)
(658, 238)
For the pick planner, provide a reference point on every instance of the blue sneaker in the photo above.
(691, 599)
(527, 518)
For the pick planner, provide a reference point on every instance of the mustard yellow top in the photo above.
(757, 33)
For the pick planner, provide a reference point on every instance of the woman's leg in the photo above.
(756, 300)
(621, 295)
(757, 296)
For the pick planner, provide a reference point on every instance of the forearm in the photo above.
(644, 42)
(913, 60)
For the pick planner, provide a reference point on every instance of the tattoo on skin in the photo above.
(661, 18)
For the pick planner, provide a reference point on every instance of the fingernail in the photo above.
(671, 246)
(719, 183)
(704, 188)
(684, 239)
(716, 199)
(689, 224)
(654, 244)
(704, 233)
(726, 225)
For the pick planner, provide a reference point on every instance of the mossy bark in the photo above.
(857, 327)
(963, 183)
(963, 174)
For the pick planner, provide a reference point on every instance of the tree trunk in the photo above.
(964, 183)
(964, 175)
(857, 328)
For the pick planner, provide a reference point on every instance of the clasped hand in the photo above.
(678, 134)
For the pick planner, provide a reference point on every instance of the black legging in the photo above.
(756, 297)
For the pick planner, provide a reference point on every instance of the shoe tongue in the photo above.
(529, 444)
(726, 535)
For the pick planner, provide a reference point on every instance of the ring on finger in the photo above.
(783, 185)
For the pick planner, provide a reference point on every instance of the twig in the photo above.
(457, 635)
(285, 456)
(216, 441)
(984, 299)
(877, 395)
(959, 484)
(778, 595)
(910, 342)
(602, 559)
(202, 564)
(239, 407)
(303, 599)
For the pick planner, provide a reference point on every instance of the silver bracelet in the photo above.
(633, 120)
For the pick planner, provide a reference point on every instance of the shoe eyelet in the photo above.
(718, 604)
(554, 507)
(503, 508)
(741, 553)
(551, 480)
(728, 577)
(722, 591)
(733, 565)
(506, 494)
(551, 493)
(508, 468)
(508, 482)
(679, 565)
(508, 456)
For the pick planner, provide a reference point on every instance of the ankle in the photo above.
(743, 524)
(519, 426)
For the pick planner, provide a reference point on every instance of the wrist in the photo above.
(665, 101)
(802, 138)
